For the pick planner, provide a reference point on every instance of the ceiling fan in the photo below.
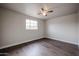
(44, 11)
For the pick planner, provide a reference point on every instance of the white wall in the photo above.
(14, 31)
(63, 28)
(0, 27)
(78, 27)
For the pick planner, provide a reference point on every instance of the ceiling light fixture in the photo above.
(44, 11)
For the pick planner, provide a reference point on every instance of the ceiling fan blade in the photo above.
(50, 11)
(42, 9)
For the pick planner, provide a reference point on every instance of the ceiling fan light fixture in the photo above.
(44, 14)
(44, 11)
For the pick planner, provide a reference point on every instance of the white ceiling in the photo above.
(32, 9)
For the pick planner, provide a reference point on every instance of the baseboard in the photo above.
(63, 41)
(18, 43)
(33, 40)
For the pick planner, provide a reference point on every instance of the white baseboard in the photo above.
(65, 41)
(29, 41)
(16, 43)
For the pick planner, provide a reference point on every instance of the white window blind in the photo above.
(31, 24)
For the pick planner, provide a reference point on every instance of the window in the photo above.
(31, 24)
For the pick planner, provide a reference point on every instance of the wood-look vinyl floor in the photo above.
(43, 47)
